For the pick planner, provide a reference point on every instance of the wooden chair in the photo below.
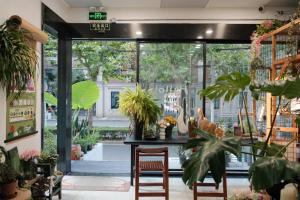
(210, 194)
(142, 166)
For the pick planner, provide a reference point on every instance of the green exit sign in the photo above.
(97, 15)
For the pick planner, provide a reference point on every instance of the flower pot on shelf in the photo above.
(9, 191)
(169, 131)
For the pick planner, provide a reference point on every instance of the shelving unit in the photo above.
(278, 55)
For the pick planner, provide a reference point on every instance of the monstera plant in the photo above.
(270, 171)
(209, 155)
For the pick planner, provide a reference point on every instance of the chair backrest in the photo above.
(14, 159)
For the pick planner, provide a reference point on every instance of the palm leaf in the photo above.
(209, 156)
(266, 172)
(227, 86)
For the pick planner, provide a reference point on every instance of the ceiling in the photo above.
(180, 3)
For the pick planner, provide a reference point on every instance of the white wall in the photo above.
(31, 11)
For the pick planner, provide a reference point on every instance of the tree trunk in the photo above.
(90, 117)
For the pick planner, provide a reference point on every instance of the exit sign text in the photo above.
(97, 15)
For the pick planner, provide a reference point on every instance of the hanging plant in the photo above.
(17, 57)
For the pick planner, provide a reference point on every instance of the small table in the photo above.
(175, 140)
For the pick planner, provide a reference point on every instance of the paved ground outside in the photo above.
(114, 158)
(99, 122)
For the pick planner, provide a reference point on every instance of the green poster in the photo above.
(21, 114)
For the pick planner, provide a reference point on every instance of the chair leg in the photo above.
(195, 190)
(137, 182)
(225, 186)
(167, 186)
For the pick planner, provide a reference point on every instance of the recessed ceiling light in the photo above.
(200, 37)
(209, 31)
(139, 33)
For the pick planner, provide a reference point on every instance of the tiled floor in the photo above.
(178, 191)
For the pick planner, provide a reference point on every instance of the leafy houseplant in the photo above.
(8, 181)
(17, 58)
(8, 176)
(47, 158)
(269, 171)
(209, 154)
(140, 107)
(28, 159)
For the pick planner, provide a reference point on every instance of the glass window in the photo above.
(50, 50)
(114, 100)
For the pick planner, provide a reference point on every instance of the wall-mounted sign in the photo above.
(21, 116)
(100, 27)
(97, 15)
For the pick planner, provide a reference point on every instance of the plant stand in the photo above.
(210, 194)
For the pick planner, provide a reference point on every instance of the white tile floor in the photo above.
(178, 191)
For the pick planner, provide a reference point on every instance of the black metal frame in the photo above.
(66, 32)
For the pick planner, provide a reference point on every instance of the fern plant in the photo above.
(17, 57)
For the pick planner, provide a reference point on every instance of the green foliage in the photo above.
(7, 174)
(50, 158)
(50, 99)
(111, 56)
(17, 58)
(139, 105)
(79, 127)
(84, 94)
(271, 150)
(209, 156)
(269, 171)
(227, 86)
(287, 88)
(268, 26)
(50, 141)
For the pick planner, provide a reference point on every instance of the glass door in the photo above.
(173, 73)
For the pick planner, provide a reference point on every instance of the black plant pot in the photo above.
(138, 130)
(168, 131)
(274, 191)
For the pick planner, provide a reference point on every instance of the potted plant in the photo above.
(140, 107)
(8, 181)
(48, 158)
(17, 57)
(29, 160)
(171, 122)
(269, 171)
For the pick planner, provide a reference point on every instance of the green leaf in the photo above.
(209, 156)
(84, 94)
(271, 150)
(288, 88)
(267, 171)
(227, 86)
(50, 99)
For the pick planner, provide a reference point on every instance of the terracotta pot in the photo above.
(76, 150)
(9, 191)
